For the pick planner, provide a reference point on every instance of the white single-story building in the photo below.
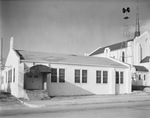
(62, 74)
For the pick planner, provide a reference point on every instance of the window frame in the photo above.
(61, 75)
(84, 76)
(77, 76)
(105, 77)
(121, 77)
(98, 77)
(14, 75)
(10, 76)
(54, 77)
(117, 77)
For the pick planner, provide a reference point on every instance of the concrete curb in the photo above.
(31, 105)
(84, 103)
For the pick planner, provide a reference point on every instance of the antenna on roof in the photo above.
(137, 27)
(126, 18)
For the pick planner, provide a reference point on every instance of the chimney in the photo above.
(11, 42)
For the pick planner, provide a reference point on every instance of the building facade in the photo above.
(61, 74)
(135, 52)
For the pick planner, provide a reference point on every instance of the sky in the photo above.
(68, 26)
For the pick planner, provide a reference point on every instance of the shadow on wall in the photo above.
(68, 89)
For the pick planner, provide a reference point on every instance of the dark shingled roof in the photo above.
(112, 47)
(140, 68)
(67, 59)
(146, 59)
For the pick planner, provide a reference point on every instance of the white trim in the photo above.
(72, 63)
(94, 50)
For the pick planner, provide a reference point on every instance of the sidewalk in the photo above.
(93, 99)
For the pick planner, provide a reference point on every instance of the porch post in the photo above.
(48, 83)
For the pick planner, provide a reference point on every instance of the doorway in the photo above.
(117, 83)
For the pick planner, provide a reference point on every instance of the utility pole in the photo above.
(126, 18)
(1, 62)
(137, 27)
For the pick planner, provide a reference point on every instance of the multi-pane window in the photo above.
(62, 75)
(123, 56)
(9, 76)
(14, 75)
(77, 76)
(53, 75)
(84, 76)
(98, 76)
(105, 76)
(117, 77)
(121, 77)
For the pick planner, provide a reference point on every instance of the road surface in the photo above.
(113, 110)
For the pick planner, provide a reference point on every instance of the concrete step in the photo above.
(147, 89)
(37, 94)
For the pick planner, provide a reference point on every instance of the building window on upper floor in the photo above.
(123, 56)
(62, 75)
(77, 76)
(53, 75)
(14, 75)
(10, 76)
(98, 76)
(105, 76)
(84, 76)
(121, 77)
(140, 52)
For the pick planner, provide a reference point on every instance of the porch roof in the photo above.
(140, 68)
(40, 68)
(67, 59)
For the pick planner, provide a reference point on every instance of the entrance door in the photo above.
(34, 82)
(117, 86)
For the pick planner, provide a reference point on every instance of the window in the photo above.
(139, 76)
(117, 77)
(9, 76)
(62, 75)
(84, 76)
(105, 76)
(121, 77)
(77, 76)
(29, 76)
(98, 76)
(144, 77)
(140, 52)
(35, 76)
(123, 56)
(54, 75)
(14, 75)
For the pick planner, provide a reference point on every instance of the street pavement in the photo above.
(108, 110)
(14, 103)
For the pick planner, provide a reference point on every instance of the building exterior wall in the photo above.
(91, 87)
(12, 63)
(142, 42)
(135, 51)
(117, 54)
